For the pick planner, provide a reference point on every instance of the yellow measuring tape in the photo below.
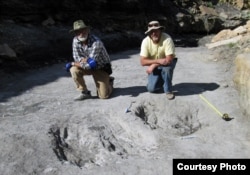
(224, 116)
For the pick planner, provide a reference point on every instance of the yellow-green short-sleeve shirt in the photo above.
(160, 50)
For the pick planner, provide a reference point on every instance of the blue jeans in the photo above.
(161, 77)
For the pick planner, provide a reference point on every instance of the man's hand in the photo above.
(88, 64)
(151, 68)
(83, 60)
(164, 61)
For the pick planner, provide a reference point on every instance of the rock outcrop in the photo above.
(236, 43)
(228, 36)
(242, 79)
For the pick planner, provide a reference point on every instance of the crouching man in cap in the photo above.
(158, 53)
(90, 58)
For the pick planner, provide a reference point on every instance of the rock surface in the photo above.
(43, 131)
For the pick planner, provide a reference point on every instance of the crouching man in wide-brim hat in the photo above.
(90, 58)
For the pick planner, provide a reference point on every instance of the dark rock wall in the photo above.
(37, 30)
(106, 15)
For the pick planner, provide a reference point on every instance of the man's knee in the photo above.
(105, 94)
(151, 89)
(167, 69)
(74, 71)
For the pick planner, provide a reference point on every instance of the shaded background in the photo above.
(36, 33)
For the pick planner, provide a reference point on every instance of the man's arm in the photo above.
(152, 64)
(147, 62)
(76, 55)
(161, 61)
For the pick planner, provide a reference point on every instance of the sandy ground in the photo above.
(43, 131)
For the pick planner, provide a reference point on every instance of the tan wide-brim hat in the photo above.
(153, 25)
(77, 25)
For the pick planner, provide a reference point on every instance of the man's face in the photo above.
(82, 34)
(155, 35)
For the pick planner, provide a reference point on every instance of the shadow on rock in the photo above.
(194, 88)
(133, 91)
(16, 84)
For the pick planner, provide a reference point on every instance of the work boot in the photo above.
(84, 95)
(170, 95)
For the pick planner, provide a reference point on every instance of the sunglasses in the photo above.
(153, 25)
(81, 31)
